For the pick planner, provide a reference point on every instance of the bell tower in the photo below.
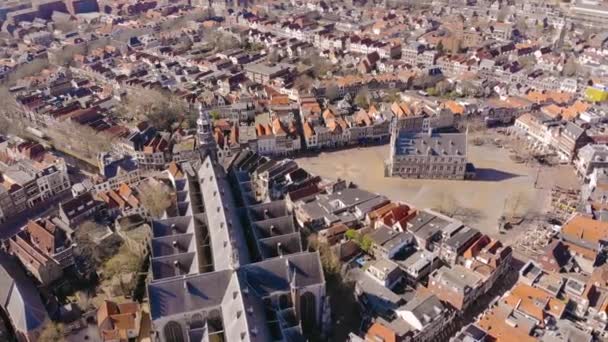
(206, 141)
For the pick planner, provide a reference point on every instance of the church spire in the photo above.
(206, 141)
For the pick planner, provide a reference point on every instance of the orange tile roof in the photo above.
(559, 96)
(313, 107)
(494, 323)
(454, 107)
(401, 109)
(537, 97)
(555, 96)
(379, 332)
(585, 228)
(552, 110)
(328, 115)
(175, 170)
(123, 321)
(308, 132)
(114, 320)
(277, 127)
(362, 118)
(119, 200)
(340, 121)
(124, 190)
(586, 253)
(573, 111)
(526, 119)
(279, 100)
(260, 130)
(400, 214)
(477, 246)
(110, 335)
(372, 111)
(534, 302)
(377, 213)
(517, 102)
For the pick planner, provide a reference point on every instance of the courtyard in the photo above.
(503, 186)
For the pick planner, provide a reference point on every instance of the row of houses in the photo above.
(30, 175)
(416, 269)
(561, 292)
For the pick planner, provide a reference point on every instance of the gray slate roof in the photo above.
(19, 297)
(436, 144)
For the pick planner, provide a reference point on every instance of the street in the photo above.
(14, 224)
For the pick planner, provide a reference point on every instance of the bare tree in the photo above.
(362, 98)
(65, 55)
(329, 261)
(320, 66)
(516, 205)
(443, 87)
(332, 92)
(521, 25)
(65, 24)
(87, 249)
(166, 117)
(155, 197)
(139, 103)
(85, 302)
(124, 262)
(503, 13)
(4, 125)
(273, 56)
(52, 332)
(570, 67)
(28, 69)
(69, 135)
(163, 110)
(222, 41)
(447, 204)
(392, 96)
(303, 83)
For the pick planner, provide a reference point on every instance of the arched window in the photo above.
(285, 301)
(197, 321)
(173, 332)
(214, 321)
(308, 312)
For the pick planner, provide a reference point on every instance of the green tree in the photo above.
(362, 98)
(352, 234)
(215, 115)
(440, 47)
(366, 243)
